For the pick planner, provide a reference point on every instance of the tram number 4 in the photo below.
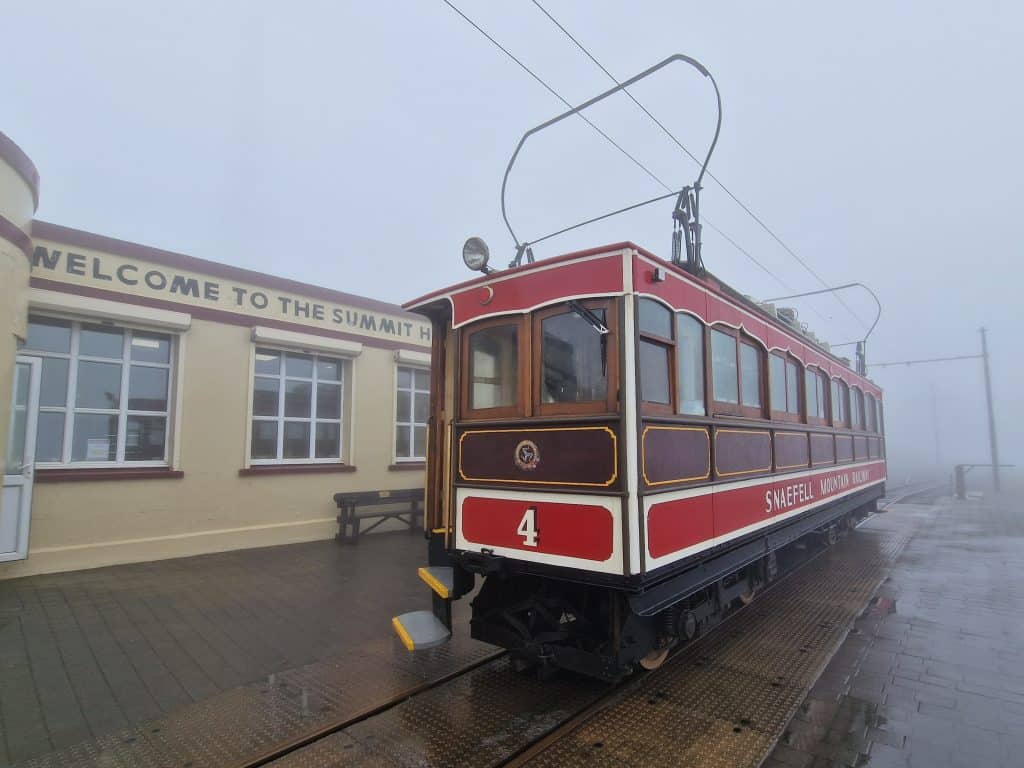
(528, 527)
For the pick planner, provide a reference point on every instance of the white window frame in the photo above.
(281, 419)
(69, 408)
(411, 424)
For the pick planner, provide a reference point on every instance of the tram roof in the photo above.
(551, 293)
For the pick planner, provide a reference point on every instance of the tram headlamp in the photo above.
(475, 254)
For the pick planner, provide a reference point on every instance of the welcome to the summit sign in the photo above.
(107, 272)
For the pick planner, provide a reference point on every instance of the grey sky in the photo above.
(356, 145)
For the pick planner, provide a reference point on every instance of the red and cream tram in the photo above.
(624, 447)
(620, 447)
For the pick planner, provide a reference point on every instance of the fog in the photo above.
(356, 145)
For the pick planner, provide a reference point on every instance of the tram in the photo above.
(620, 447)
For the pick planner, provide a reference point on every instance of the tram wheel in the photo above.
(654, 659)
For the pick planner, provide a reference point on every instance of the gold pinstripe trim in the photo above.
(402, 634)
(610, 481)
(745, 471)
(794, 466)
(643, 454)
(433, 583)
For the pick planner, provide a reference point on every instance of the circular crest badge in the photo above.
(527, 456)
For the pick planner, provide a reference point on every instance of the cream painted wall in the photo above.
(213, 508)
(17, 206)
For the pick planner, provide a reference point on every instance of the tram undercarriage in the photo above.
(549, 624)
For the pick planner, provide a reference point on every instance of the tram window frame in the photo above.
(821, 396)
(870, 414)
(856, 408)
(688, 406)
(840, 397)
(788, 362)
(611, 321)
(518, 408)
(667, 344)
(723, 407)
(881, 417)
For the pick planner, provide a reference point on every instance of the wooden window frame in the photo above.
(676, 315)
(856, 392)
(718, 407)
(646, 406)
(522, 405)
(610, 404)
(819, 379)
(800, 396)
(844, 392)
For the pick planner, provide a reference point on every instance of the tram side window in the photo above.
(881, 421)
(724, 374)
(855, 409)
(784, 384)
(574, 359)
(871, 414)
(814, 387)
(839, 392)
(690, 362)
(655, 351)
(750, 370)
(494, 367)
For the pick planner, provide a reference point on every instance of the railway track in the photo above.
(487, 715)
(349, 713)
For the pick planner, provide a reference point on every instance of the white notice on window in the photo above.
(97, 449)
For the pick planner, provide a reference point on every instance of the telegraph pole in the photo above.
(993, 448)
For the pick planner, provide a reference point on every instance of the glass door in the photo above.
(16, 501)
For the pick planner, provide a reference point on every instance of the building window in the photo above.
(104, 393)
(654, 322)
(785, 387)
(412, 409)
(690, 362)
(296, 407)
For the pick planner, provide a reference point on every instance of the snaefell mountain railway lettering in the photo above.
(788, 497)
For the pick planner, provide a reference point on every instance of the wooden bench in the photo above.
(352, 510)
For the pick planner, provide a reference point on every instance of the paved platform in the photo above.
(90, 653)
(933, 672)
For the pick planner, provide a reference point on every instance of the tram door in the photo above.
(16, 502)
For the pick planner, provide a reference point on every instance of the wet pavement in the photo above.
(933, 672)
(91, 653)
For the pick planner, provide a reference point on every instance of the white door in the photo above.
(16, 502)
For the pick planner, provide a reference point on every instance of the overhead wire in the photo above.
(678, 143)
(669, 190)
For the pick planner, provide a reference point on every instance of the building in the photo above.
(164, 405)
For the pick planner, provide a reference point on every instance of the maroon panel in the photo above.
(844, 448)
(823, 449)
(586, 456)
(860, 447)
(675, 454)
(873, 447)
(742, 451)
(791, 451)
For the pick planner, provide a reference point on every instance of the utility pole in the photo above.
(994, 449)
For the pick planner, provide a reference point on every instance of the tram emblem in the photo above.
(527, 456)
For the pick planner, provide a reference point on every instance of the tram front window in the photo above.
(494, 367)
(575, 360)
